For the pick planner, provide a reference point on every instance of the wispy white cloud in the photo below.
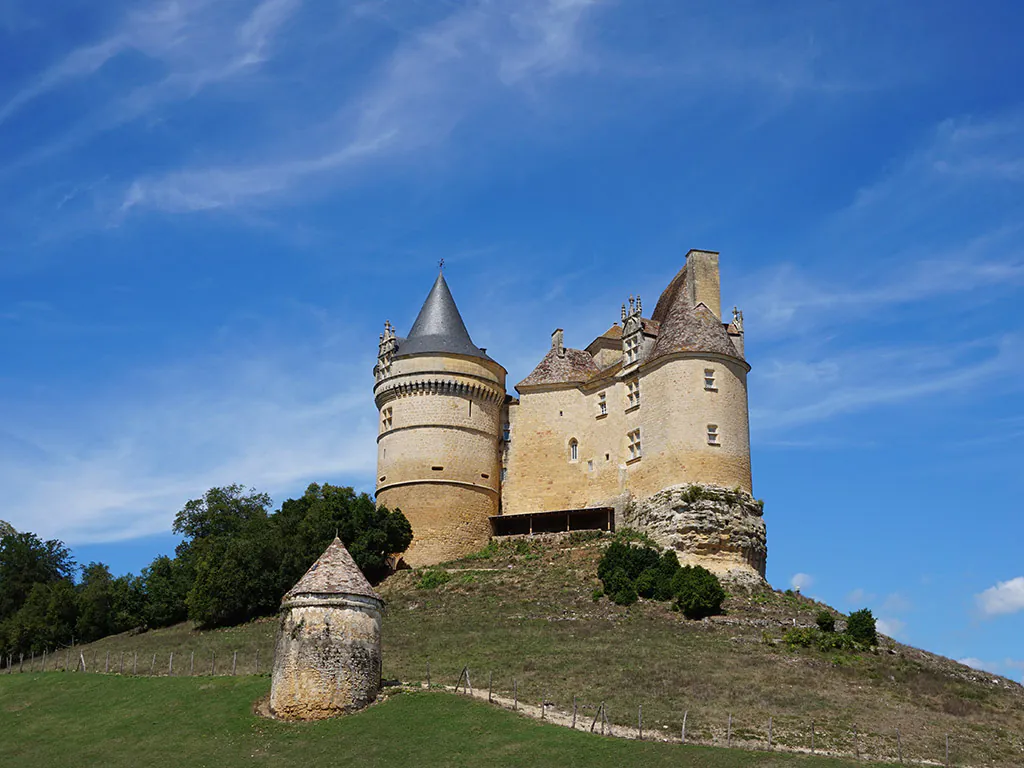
(801, 581)
(892, 627)
(794, 392)
(125, 464)
(1004, 598)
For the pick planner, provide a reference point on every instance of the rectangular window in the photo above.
(713, 434)
(506, 433)
(632, 348)
(504, 474)
(709, 379)
(633, 393)
(385, 420)
(602, 404)
(590, 465)
(634, 444)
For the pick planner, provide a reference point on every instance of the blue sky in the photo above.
(208, 209)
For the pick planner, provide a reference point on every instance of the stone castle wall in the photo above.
(439, 452)
(722, 530)
(327, 659)
(675, 411)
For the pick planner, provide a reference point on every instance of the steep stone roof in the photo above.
(574, 367)
(334, 573)
(439, 327)
(686, 328)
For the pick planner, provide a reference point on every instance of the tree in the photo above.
(861, 627)
(165, 586)
(6, 529)
(26, 560)
(826, 621)
(307, 525)
(128, 603)
(46, 620)
(96, 603)
(221, 512)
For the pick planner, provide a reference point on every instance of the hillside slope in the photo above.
(524, 612)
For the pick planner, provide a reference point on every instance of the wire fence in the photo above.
(694, 726)
(139, 663)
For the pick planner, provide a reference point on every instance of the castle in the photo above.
(647, 426)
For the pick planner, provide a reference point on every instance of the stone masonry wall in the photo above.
(327, 659)
(719, 529)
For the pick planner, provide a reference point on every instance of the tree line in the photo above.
(236, 560)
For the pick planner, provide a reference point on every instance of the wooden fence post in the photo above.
(120, 665)
(685, 715)
(812, 737)
(640, 721)
(32, 662)
(234, 663)
(490, 680)
(899, 744)
(81, 658)
(21, 663)
(44, 661)
(257, 661)
(152, 666)
(135, 664)
(574, 713)
(947, 750)
(170, 665)
(728, 732)
(856, 742)
(515, 695)
(428, 674)
(191, 663)
(67, 660)
(213, 666)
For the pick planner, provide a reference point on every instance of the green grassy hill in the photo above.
(524, 613)
(114, 722)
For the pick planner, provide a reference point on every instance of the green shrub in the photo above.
(861, 627)
(826, 621)
(597, 594)
(801, 637)
(432, 578)
(626, 595)
(646, 583)
(698, 592)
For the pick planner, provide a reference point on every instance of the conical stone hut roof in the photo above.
(334, 573)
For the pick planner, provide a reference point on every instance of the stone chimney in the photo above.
(703, 280)
(558, 342)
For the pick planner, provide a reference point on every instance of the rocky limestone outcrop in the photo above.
(720, 529)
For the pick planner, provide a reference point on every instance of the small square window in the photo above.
(709, 379)
(590, 465)
(634, 444)
(713, 434)
(633, 393)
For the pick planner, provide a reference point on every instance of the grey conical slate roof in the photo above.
(334, 573)
(439, 327)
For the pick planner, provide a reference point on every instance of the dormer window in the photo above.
(709, 380)
(632, 349)
(633, 394)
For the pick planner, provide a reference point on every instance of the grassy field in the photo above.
(526, 613)
(85, 720)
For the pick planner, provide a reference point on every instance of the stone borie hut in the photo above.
(327, 658)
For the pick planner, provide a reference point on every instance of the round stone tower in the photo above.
(327, 658)
(440, 400)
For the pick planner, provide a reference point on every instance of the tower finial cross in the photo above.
(440, 265)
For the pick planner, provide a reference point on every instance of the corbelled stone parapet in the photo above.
(722, 530)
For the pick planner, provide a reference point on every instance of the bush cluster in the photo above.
(629, 572)
(859, 634)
